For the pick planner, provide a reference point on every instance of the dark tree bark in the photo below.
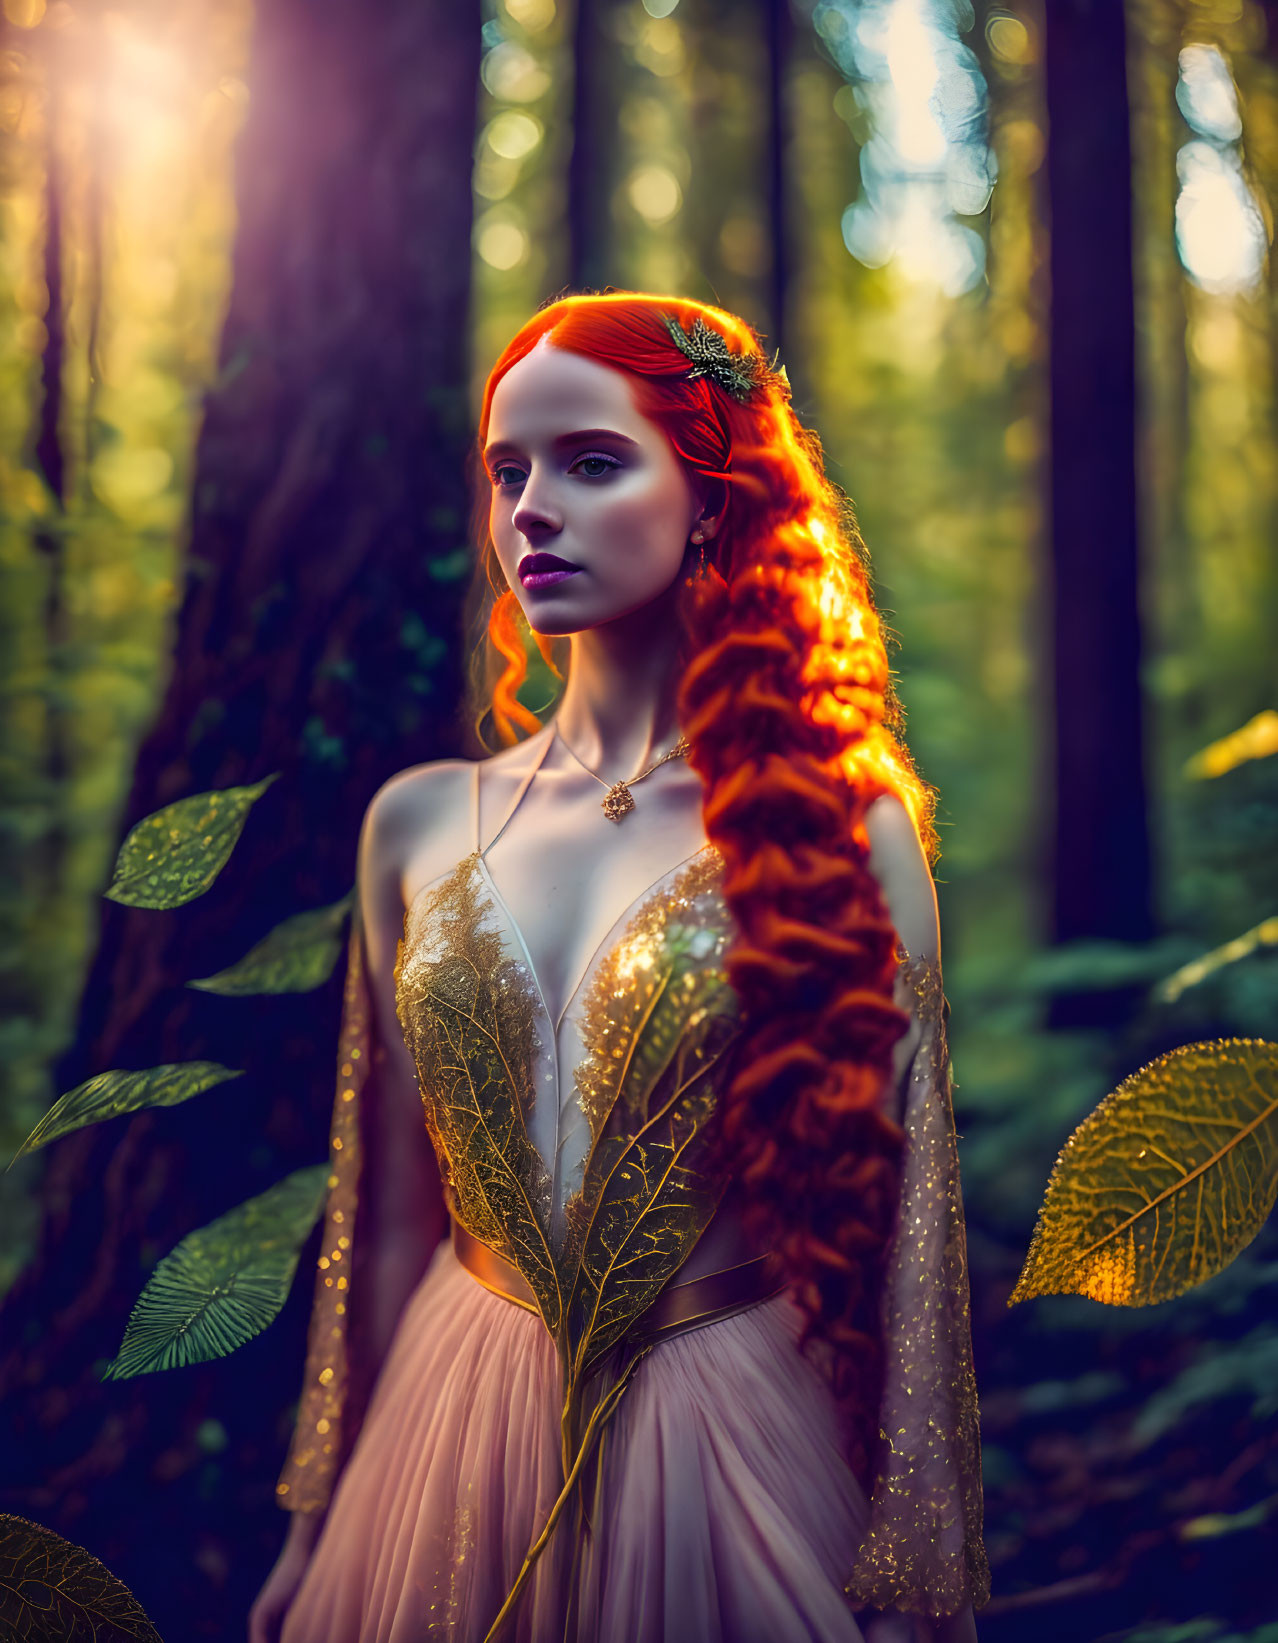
(318, 638)
(590, 229)
(778, 31)
(1101, 872)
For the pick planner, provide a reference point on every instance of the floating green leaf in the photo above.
(175, 854)
(1162, 1186)
(1257, 739)
(109, 1094)
(225, 1282)
(1264, 934)
(297, 956)
(1095, 966)
(53, 1591)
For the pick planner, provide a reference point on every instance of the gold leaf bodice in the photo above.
(596, 1236)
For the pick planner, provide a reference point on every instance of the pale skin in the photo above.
(578, 472)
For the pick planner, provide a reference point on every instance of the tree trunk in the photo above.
(317, 637)
(591, 236)
(778, 29)
(1101, 851)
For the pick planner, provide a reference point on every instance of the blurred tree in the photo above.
(524, 238)
(316, 637)
(590, 178)
(50, 460)
(1101, 874)
(778, 30)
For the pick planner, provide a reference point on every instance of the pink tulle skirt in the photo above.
(727, 1513)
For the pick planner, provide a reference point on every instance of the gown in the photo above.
(712, 1501)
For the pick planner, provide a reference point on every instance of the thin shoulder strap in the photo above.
(523, 788)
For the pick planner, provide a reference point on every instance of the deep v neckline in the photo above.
(601, 946)
(476, 858)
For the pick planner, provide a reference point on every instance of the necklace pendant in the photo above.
(617, 802)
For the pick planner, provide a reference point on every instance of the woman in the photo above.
(682, 1066)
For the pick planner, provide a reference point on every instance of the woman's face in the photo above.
(591, 510)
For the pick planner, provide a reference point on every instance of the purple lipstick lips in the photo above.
(543, 570)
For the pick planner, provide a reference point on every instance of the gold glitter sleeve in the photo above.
(325, 1424)
(924, 1551)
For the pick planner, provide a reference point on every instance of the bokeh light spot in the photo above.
(533, 15)
(1219, 230)
(122, 476)
(655, 194)
(512, 135)
(659, 48)
(1205, 94)
(513, 75)
(502, 245)
(1009, 39)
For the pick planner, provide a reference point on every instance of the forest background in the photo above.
(256, 263)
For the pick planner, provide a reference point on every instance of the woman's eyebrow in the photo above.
(500, 447)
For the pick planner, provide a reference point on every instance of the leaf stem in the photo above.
(599, 1418)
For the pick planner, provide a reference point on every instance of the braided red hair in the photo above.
(787, 702)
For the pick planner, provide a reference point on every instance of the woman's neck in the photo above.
(618, 711)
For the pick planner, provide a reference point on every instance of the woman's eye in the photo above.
(602, 465)
(594, 466)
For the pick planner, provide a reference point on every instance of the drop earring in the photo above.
(699, 539)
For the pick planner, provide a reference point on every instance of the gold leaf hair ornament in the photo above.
(741, 375)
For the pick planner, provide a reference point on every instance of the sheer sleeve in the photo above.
(923, 1552)
(332, 1387)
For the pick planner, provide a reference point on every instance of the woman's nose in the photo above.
(536, 513)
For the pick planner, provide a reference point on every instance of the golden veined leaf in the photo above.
(471, 1015)
(53, 1591)
(646, 1083)
(297, 956)
(1257, 739)
(174, 855)
(1162, 1186)
(225, 1282)
(109, 1094)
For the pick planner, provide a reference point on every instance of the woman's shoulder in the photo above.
(899, 865)
(411, 796)
(421, 821)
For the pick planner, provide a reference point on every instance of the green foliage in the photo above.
(225, 1282)
(297, 956)
(1100, 1386)
(52, 1591)
(1243, 1368)
(1206, 1629)
(109, 1094)
(174, 855)
(1096, 966)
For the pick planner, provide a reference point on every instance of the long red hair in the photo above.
(787, 702)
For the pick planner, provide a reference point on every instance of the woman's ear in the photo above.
(714, 503)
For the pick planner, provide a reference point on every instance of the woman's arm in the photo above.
(404, 1215)
(385, 1212)
(928, 1304)
(385, 1208)
(900, 868)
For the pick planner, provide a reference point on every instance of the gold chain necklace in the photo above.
(619, 801)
